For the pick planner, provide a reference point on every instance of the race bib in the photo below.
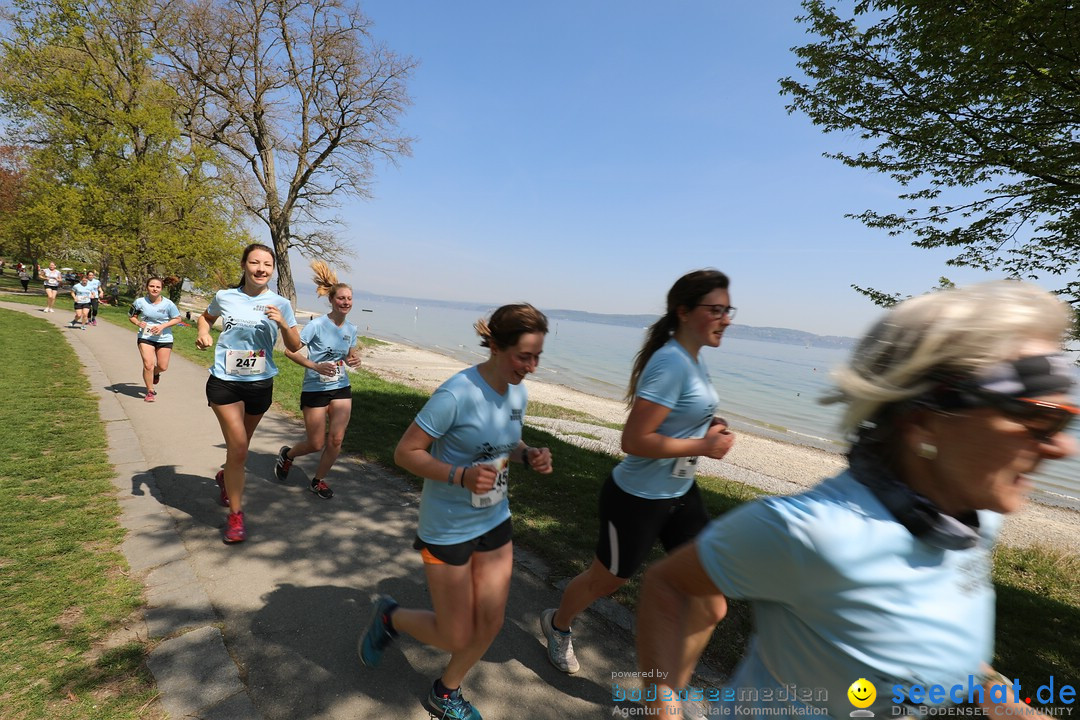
(685, 467)
(245, 362)
(338, 370)
(82, 299)
(498, 493)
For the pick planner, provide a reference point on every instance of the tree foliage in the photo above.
(973, 107)
(111, 181)
(299, 99)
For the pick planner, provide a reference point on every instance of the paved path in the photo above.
(268, 628)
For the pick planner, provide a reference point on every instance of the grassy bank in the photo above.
(63, 583)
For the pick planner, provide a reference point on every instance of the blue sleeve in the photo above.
(438, 414)
(287, 313)
(662, 380)
(752, 553)
(214, 308)
(174, 312)
(307, 333)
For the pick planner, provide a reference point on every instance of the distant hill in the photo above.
(746, 332)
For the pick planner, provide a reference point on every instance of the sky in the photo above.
(584, 154)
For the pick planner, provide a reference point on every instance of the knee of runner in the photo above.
(318, 442)
(335, 440)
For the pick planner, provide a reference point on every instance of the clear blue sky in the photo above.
(583, 154)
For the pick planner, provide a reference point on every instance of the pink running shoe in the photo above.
(234, 531)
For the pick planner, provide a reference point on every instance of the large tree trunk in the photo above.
(279, 235)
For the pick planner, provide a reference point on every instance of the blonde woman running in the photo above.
(326, 393)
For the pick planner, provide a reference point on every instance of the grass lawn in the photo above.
(63, 583)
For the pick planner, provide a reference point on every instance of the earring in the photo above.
(927, 451)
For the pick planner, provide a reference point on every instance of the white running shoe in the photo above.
(560, 646)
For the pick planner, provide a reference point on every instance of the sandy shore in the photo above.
(768, 464)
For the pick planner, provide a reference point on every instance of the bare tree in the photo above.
(298, 96)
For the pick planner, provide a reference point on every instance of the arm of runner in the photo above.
(538, 459)
(640, 436)
(413, 454)
(663, 609)
(205, 340)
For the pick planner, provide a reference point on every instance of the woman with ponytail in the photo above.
(326, 393)
(462, 442)
(651, 494)
(241, 384)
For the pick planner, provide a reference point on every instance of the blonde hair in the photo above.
(508, 324)
(951, 332)
(326, 283)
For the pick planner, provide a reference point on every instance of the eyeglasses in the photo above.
(1041, 418)
(719, 311)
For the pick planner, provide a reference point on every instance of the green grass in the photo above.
(63, 583)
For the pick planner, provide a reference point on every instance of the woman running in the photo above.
(241, 384)
(81, 293)
(461, 443)
(95, 296)
(52, 278)
(155, 316)
(326, 392)
(651, 494)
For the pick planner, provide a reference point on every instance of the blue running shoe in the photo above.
(378, 635)
(451, 707)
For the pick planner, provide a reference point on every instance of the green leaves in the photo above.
(972, 107)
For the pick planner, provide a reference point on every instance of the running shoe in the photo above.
(220, 480)
(94, 323)
(450, 707)
(378, 634)
(151, 396)
(560, 646)
(157, 378)
(320, 488)
(234, 531)
(282, 464)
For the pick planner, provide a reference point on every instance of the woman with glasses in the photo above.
(651, 495)
(880, 577)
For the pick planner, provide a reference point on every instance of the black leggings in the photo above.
(93, 308)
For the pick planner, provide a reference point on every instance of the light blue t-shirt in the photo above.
(681, 383)
(326, 342)
(82, 292)
(95, 287)
(245, 348)
(840, 591)
(472, 424)
(154, 314)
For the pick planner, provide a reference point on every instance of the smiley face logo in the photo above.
(862, 693)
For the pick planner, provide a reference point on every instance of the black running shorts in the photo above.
(459, 554)
(255, 394)
(322, 398)
(631, 525)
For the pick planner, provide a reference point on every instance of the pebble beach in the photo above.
(764, 463)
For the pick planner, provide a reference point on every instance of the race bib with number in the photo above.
(82, 299)
(496, 494)
(338, 369)
(245, 362)
(685, 467)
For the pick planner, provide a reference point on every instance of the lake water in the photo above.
(768, 388)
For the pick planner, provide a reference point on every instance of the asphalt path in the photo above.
(268, 628)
